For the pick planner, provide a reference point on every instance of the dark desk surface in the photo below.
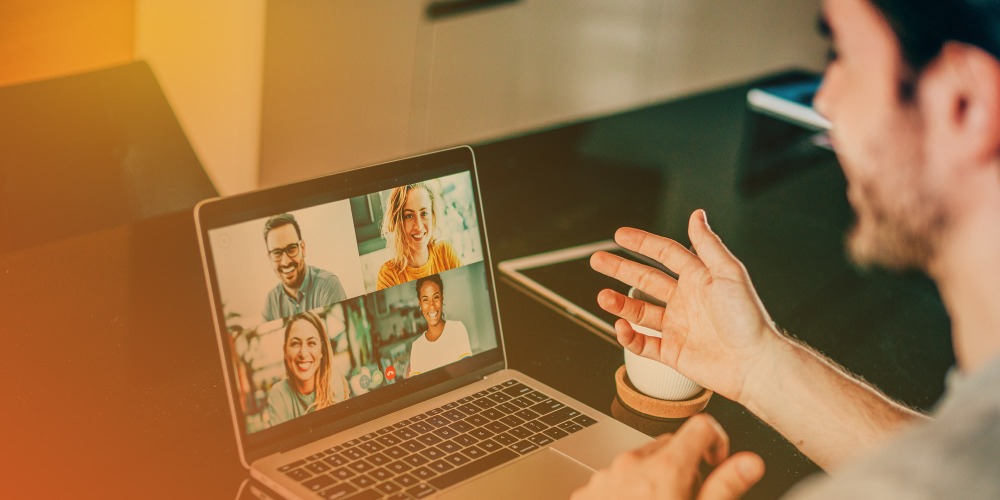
(113, 377)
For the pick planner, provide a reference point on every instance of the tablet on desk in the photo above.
(563, 280)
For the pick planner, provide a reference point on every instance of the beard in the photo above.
(898, 228)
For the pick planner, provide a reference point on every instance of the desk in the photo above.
(112, 371)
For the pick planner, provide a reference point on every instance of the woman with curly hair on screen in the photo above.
(409, 229)
(312, 382)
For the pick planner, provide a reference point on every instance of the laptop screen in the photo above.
(338, 300)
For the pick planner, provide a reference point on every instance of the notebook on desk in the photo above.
(360, 338)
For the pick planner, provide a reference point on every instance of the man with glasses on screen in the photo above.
(301, 287)
(913, 93)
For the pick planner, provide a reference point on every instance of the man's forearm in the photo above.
(828, 414)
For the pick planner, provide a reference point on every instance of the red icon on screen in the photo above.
(390, 373)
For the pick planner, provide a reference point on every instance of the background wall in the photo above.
(274, 91)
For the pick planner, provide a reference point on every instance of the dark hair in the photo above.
(434, 278)
(281, 220)
(923, 27)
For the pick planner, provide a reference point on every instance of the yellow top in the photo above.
(441, 258)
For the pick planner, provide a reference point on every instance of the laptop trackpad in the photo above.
(546, 474)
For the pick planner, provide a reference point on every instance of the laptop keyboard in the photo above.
(418, 456)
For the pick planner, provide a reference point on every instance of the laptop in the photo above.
(353, 374)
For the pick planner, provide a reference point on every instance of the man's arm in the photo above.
(716, 331)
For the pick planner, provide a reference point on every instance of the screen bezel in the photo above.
(223, 212)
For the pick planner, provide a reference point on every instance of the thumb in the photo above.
(733, 478)
(709, 247)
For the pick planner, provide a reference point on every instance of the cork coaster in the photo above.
(659, 408)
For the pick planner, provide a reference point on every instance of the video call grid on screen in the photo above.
(340, 249)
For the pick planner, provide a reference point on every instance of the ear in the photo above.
(302, 247)
(966, 101)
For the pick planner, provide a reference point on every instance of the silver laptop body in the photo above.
(378, 409)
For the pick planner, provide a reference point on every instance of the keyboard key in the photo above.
(457, 459)
(401, 424)
(560, 415)
(438, 421)
(353, 453)
(388, 440)
(524, 446)
(445, 433)
(360, 466)
(465, 440)
(435, 411)
(454, 415)
(499, 397)
(421, 427)
(366, 495)
(547, 406)
(337, 492)
(432, 453)
(406, 480)
(469, 409)
(450, 405)
(477, 420)
(384, 430)
(449, 446)
(319, 482)
(484, 464)
(489, 445)
(371, 447)
(481, 433)
(412, 446)
(379, 459)
(511, 421)
(461, 427)
(540, 439)
(474, 452)
(480, 394)
(362, 481)
(495, 388)
(351, 443)
(508, 408)
(293, 465)
(505, 439)
(398, 496)
(429, 439)
(417, 418)
(416, 460)
(572, 427)
(318, 467)
(484, 403)
(536, 396)
(493, 414)
(316, 456)
(522, 402)
(399, 467)
(509, 383)
(516, 390)
(405, 433)
(465, 400)
(585, 420)
(369, 436)
(298, 474)
(423, 473)
(527, 414)
(389, 488)
(536, 426)
(343, 473)
(421, 491)
(520, 432)
(396, 452)
(440, 466)
(381, 474)
(555, 433)
(497, 427)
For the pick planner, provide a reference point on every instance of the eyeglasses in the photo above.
(292, 251)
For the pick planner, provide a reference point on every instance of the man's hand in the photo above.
(668, 468)
(715, 329)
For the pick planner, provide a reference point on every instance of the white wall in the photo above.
(208, 57)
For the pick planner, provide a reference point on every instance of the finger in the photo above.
(709, 247)
(645, 278)
(637, 343)
(733, 478)
(635, 311)
(668, 252)
(654, 445)
(701, 437)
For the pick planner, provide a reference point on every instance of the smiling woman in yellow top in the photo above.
(408, 227)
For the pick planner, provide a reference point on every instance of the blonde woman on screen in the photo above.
(409, 229)
(312, 382)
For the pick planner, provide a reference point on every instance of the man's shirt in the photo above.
(319, 288)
